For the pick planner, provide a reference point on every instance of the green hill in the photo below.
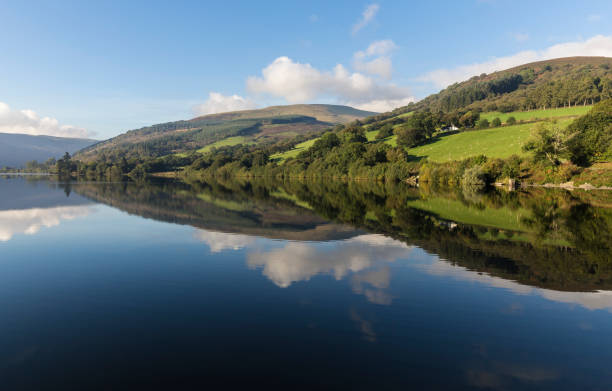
(554, 83)
(561, 89)
(251, 126)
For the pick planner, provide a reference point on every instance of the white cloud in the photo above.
(382, 105)
(520, 37)
(30, 221)
(375, 60)
(220, 241)
(300, 83)
(219, 103)
(28, 122)
(366, 17)
(598, 45)
(378, 48)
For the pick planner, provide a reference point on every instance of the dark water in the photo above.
(302, 286)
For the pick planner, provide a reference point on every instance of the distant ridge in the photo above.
(255, 126)
(336, 114)
(18, 149)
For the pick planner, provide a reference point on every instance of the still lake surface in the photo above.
(167, 285)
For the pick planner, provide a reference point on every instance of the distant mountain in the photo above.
(254, 126)
(18, 149)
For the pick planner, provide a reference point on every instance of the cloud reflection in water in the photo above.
(30, 221)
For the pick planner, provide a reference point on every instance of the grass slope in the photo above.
(537, 114)
(227, 142)
(295, 151)
(499, 142)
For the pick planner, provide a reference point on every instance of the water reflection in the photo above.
(28, 204)
(369, 286)
(30, 221)
(298, 261)
(534, 237)
(221, 241)
(599, 300)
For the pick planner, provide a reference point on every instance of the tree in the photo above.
(496, 122)
(592, 135)
(408, 136)
(469, 119)
(64, 165)
(511, 121)
(548, 143)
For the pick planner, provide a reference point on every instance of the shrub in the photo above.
(496, 122)
(512, 167)
(385, 131)
(483, 123)
(511, 121)
(474, 178)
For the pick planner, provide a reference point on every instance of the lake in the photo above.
(182, 286)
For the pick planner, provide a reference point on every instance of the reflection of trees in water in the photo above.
(563, 243)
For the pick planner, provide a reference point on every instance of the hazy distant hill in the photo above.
(17, 149)
(261, 125)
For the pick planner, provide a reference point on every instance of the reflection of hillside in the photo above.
(557, 240)
(216, 210)
(546, 239)
(30, 203)
(27, 192)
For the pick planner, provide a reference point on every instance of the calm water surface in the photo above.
(175, 286)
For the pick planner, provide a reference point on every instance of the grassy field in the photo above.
(371, 135)
(537, 114)
(497, 142)
(227, 142)
(293, 152)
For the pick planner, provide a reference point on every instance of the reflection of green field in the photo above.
(502, 218)
(291, 197)
(537, 114)
(225, 204)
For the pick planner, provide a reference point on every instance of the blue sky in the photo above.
(101, 68)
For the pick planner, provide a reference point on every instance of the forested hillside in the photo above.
(262, 126)
(563, 82)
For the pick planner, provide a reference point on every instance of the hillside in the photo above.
(487, 118)
(554, 83)
(18, 149)
(256, 126)
(562, 89)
